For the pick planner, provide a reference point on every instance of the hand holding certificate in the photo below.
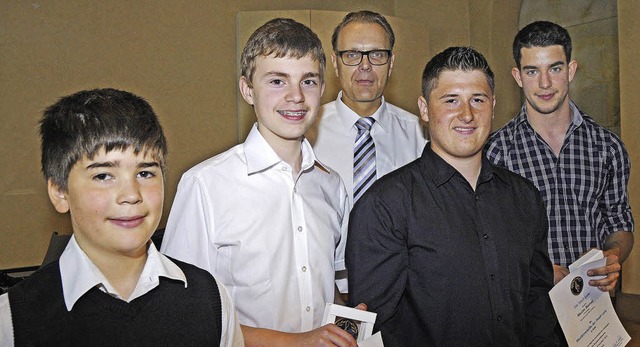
(585, 313)
(357, 322)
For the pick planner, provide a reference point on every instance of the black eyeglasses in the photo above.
(375, 56)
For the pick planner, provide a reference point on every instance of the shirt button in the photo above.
(499, 318)
(308, 308)
(300, 228)
(485, 236)
(284, 168)
(493, 277)
(304, 269)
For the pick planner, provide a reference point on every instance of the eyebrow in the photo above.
(286, 75)
(107, 164)
(453, 95)
(533, 67)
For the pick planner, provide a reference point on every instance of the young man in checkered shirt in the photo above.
(581, 168)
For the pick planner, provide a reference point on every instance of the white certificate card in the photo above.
(585, 313)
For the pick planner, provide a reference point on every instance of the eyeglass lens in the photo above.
(376, 57)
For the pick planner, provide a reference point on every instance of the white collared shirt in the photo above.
(397, 134)
(273, 239)
(79, 274)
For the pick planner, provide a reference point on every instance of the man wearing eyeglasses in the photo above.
(360, 135)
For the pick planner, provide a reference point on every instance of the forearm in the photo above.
(327, 335)
(620, 242)
(265, 337)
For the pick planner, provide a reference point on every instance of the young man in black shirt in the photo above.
(449, 249)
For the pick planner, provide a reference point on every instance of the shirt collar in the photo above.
(260, 156)
(79, 274)
(347, 117)
(441, 171)
(576, 116)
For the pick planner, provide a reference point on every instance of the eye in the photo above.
(376, 54)
(531, 72)
(556, 69)
(310, 82)
(102, 177)
(277, 82)
(478, 100)
(351, 54)
(146, 174)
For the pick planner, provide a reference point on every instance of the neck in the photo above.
(552, 127)
(556, 121)
(469, 168)
(290, 152)
(363, 109)
(123, 271)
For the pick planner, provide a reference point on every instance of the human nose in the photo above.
(295, 94)
(129, 192)
(545, 80)
(467, 113)
(365, 64)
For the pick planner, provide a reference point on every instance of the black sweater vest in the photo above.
(168, 315)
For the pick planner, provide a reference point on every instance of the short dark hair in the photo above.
(452, 59)
(83, 123)
(541, 34)
(363, 17)
(282, 37)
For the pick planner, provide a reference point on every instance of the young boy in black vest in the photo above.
(103, 156)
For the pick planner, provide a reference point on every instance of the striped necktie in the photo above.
(364, 158)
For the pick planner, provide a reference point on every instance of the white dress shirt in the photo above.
(273, 239)
(397, 134)
(79, 274)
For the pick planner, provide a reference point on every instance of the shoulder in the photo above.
(397, 185)
(501, 141)
(326, 111)
(42, 290)
(328, 108)
(323, 118)
(195, 275)
(519, 185)
(47, 275)
(402, 114)
(505, 134)
(220, 163)
(603, 135)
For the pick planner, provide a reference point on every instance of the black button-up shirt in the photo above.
(444, 265)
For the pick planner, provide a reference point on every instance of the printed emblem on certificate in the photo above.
(585, 313)
(358, 323)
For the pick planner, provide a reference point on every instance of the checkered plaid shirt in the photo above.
(584, 189)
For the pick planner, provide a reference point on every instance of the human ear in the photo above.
(493, 109)
(58, 197)
(573, 67)
(246, 90)
(392, 59)
(334, 60)
(515, 72)
(424, 109)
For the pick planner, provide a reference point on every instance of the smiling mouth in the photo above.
(548, 96)
(127, 222)
(293, 115)
(464, 130)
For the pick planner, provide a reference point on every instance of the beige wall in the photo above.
(629, 41)
(181, 56)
